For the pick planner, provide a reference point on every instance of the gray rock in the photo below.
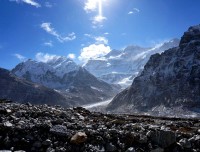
(50, 150)
(46, 142)
(163, 138)
(143, 139)
(185, 143)
(110, 147)
(131, 149)
(37, 144)
(8, 124)
(59, 130)
(157, 150)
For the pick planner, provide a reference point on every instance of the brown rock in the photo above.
(78, 138)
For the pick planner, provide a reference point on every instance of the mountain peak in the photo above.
(169, 80)
(193, 34)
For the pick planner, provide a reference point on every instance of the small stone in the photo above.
(80, 116)
(50, 149)
(8, 124)
(37, 144)
(131, 149)
(163, 138)
(46, 142)
(78, 138)
(143, 139)
(158, 150)
(8, 110)
(110, 147)
(185, 143)
(59, 130)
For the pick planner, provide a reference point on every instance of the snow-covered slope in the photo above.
(67, 78)
(63, 65)
(121, 66)
(170, 81)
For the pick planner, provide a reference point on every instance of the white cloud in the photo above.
(20, 57)
(45, 57)
(90, 5)
(101, 39)
(131, 12)
(98, 19)
(98, 39)
(88, 35)
(71, 56)
(135, 10)
(49, 44)
(106, 33)
(48, 5)
(47, 27)
(93, 51)
(30, 2)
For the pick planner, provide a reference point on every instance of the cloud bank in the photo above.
(93, 51)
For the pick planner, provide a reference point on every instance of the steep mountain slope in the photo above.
(169, 80)
(120, 67)
(67, 78)
(20, 90)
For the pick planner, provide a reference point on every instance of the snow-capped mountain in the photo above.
(67, 78)
(63, 65)
(170, 81)
(20, 90)
(121, 66)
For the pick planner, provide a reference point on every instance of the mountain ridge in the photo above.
(122, 66)
(67, 78)
(170, 79)
(20, 90)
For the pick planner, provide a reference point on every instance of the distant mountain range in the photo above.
(67, 78)
(122, 66)
(169, 84)
(20, 90)
(159, 82)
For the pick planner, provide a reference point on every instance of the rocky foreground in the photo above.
(29, 127)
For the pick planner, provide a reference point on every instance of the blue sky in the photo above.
(83, 29)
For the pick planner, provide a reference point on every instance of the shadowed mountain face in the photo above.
(170, 79)
(20, 90)
(67, 78)
(122, 66)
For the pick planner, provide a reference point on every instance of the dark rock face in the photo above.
(20, 90)
(43, 128)
(170, 79)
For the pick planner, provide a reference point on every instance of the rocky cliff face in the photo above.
(20, 90)
(121, 66)
(169, 80)
(67, 78)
